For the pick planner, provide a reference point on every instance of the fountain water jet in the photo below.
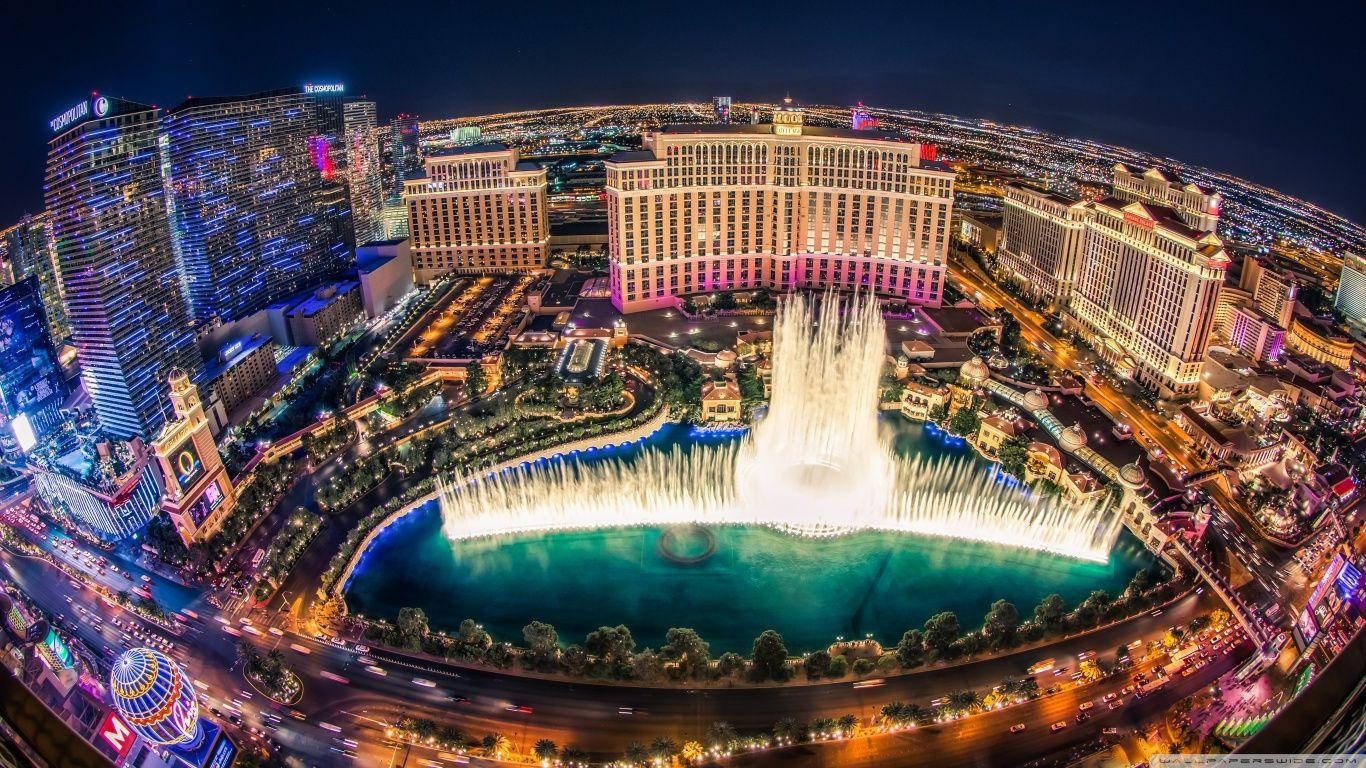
(816, 465)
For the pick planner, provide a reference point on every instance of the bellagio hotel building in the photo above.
(477, 209)
(782, 206)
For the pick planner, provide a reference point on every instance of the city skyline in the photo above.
(916, 386)
(1222, 117)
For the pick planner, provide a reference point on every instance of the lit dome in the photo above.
(1072, 438)
(154, 696)
(1131, 475)
(974, 371)
(1035, 400)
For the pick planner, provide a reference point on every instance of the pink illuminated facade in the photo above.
(779, 205)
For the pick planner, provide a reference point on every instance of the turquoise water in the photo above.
(811, 591)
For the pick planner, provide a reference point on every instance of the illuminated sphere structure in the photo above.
(154, 696)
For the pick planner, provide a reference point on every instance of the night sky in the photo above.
(1272, 95)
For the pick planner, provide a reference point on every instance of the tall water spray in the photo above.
(816, 465)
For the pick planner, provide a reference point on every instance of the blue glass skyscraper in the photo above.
(123, 294)
(257, 196)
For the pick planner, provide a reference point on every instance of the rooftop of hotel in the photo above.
(227, 356)
(1164, 216)
(368, 261)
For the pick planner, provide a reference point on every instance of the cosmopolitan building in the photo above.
(782, 206)
(258, 196)
(108, 217)
(477, 209)
(1042, 241)
(364, 175)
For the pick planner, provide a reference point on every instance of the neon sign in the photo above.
(72, 115)
(324, 88)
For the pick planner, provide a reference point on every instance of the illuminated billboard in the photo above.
(185, 464)
(31, 384)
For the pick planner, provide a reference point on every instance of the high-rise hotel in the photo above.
(477, 209)
(782, 206)
(1042, 243)
(258, 196)
(364, 175)
(1138, 272)
(108, 219)
(1149, 287)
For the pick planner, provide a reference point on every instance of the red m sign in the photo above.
(117, 734)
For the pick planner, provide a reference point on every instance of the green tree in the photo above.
(1014, 454)
(817, 664)
(910, 651)
(476, 381)
(941, 630)
(686, 647)
(724, 300)
(1050, 611)
(839, 666)
(965, 421)
(412, 627)
(575, 659)
(613, 645)
(730, 663)
(768, 661)
(847, 724)
(1000, 624)
(542, 642)
(938, 413)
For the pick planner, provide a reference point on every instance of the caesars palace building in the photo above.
(782, 206)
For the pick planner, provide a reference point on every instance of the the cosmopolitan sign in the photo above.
(70, 116)
(99, 105)
(324, 88)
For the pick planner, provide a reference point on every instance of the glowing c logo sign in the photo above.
(101, 106)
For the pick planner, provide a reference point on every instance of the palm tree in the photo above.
(847, 724)
(787, 729)
(496, 745)
(823, 728)
(545, 750)
(721, 734)
(663, 749)
(637, 753)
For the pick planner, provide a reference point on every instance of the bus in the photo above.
(258, 557)
(1042, 666)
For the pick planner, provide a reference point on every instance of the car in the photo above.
(1058, 726)
(1016, 728)
(362, 648)
(1117, 703)
(1111, 731)
(1109, 697)
(1085, 705)
(459, 699)
(1082, 717)
(520, 709)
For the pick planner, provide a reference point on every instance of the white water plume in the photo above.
(816, 465)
